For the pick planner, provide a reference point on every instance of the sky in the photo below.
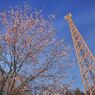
(83, 15)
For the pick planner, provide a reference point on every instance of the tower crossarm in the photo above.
(85, 58)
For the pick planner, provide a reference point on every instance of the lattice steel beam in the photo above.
(85, 58)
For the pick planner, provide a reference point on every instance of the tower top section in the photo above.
(67, 17)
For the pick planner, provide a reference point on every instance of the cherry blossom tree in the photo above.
(29, 51)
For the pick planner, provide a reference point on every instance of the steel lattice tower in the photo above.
(85, 58)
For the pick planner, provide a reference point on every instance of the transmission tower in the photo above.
(85, 58)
